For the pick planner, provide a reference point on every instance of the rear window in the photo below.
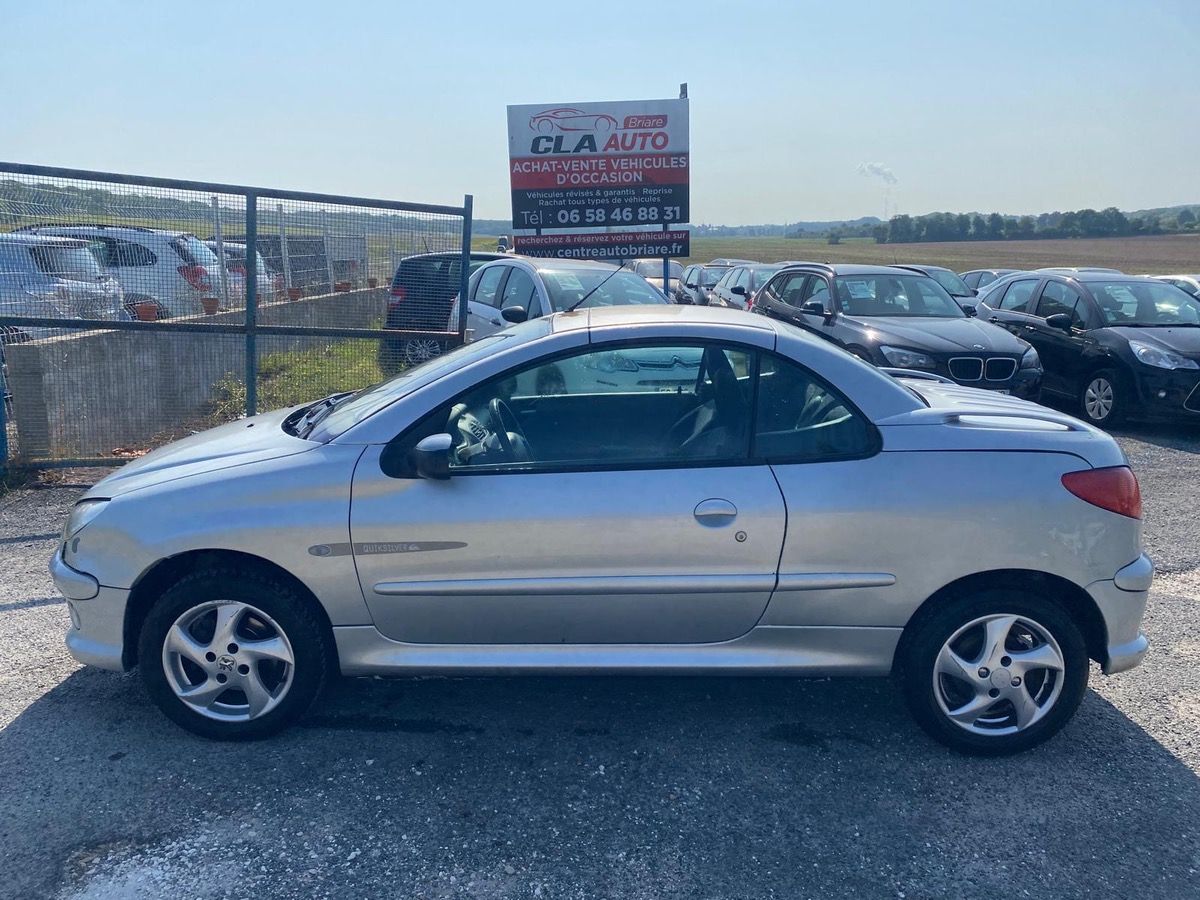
(75, 263)
(193, 252)
(710, 275)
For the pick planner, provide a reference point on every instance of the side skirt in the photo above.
(766, 650)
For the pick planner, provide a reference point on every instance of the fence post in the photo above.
(220, 249)
(3, 423)
(328, 249)
(465, 267)
(251, 304)
(283, 248)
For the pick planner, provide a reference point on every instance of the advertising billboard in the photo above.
(599, 165)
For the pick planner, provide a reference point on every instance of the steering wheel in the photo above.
(501, 421)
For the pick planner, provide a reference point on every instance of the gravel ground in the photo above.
(598, 787)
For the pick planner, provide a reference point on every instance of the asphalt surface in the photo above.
(598, 787)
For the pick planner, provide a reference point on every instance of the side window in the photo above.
(1058, 298)
(518, 290)
(725, 282)
(801, 419)
(1016, 295)
(791, 288)
(689, 275)
(489, 284)
(743, 279)
(816, 289)
(102, 249)
(649, 405)
(973, 279)
(127, 253)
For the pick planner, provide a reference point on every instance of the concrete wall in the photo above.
(87, 393)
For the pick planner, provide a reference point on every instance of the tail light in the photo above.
(1114, 488)
(397, 293)
(196, 276)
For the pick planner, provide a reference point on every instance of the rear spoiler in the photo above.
(914, 373)
(964, 416)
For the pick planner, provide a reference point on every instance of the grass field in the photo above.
(1163, 254)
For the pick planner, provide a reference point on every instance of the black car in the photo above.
(419, 300)
(1116, 345)
(896, 317)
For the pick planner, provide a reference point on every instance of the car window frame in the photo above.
(1034, 294)
(1080, 311)
(500, 285)
(395, 459)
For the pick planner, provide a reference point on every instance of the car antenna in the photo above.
(578, 303)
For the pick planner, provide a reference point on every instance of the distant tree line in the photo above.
(1083, 223)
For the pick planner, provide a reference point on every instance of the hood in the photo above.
(941, 335)
(1181, 340)
(238, 443)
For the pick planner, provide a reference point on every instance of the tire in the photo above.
(982, 684)
(276, 645)
(1102, 401)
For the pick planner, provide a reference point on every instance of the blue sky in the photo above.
(1015, 106)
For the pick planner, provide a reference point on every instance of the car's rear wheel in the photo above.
(1102, 401)
(994, 673)
(233, 655)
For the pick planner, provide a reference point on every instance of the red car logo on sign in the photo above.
(567, 118)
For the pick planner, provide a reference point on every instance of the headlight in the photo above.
(84, 512)
(1160, 358)
(1030, 360)
(906, 359)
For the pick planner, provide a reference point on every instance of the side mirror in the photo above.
(816, 307)
(738, 289)
(431, 456)
(690, 284)
(514, 314)
(1061, 321)
(971, 311)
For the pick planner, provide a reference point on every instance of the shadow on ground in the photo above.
(583, 787)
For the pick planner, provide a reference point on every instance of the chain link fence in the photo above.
(134, 311)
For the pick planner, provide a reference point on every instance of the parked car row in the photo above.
(108, 271)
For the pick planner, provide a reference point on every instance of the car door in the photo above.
(626, 514)
(683, 293)
(521, 290)
(483, 307)
(1062, 352)
(1011, 308)
(721, 294)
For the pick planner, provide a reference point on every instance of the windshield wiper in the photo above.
(319, 411)
(578, 303)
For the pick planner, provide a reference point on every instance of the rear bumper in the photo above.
(1122, 603)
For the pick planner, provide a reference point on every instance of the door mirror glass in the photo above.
(514, 314)
(738, 289)
(431, 456)
(969, 309)
(816, 307)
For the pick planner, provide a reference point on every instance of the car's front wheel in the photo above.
(233, 654)
(994, 673)
(1102, 401)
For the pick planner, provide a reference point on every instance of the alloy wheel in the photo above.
(418, 351)
(998, 674)
(1098, 399)
(228, 661)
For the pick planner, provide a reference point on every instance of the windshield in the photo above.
(76, 263)
(652, 268)
(895, 295)
(623, 288)
(710, 275)
(1147, 303)
(954, 285)
(367, 402)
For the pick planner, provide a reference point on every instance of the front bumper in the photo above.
(97, 635)
(1168, 394)
(1122, 603)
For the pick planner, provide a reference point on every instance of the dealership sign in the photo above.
(599, 165)
(615, 246)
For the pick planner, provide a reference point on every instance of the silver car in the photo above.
(785, 509)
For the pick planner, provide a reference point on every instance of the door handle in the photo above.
(1031, 328)
(995, 320)
(495, 321)
(715, 512)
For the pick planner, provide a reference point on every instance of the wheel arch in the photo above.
(151, 584)
(1070, 597)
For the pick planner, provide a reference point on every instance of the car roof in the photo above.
(851, 269)
(546, 263)
(634, 314)
(97, 226)
(922, 267)
(41, 239)
(443, 254)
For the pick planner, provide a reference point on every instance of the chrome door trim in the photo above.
(765, 650)
(585, 585)
(828, 581)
